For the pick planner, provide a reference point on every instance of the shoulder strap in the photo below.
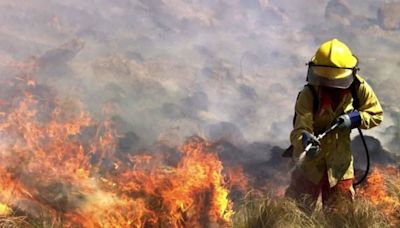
(315, 100)
(354, 87)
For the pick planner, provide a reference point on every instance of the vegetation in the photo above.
(269, 212)
(376, 205)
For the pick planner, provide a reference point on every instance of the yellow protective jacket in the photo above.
(335, 157)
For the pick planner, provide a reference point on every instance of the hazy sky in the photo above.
(172, 68)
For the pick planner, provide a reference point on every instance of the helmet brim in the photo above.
(349, 62)
(341, 83)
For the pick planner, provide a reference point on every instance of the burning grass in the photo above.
(61, 168)
(377, 204)
(268, 211)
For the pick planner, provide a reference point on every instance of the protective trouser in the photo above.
(306, 193)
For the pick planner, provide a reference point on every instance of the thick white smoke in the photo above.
(173, 68)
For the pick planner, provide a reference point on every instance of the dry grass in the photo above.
(361, 213)
(377, 205)
(264, 210)
(271, 212)
(13, 221)
(393, 187)
(267, 211)
(17, 221)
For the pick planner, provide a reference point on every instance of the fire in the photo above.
(236, 178)
(376, 190)
(57, 163)
(191, 194)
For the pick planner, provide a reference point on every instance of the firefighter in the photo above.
(327, 169)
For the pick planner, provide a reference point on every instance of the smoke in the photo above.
(173, 68)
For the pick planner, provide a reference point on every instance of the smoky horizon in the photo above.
(172, 69)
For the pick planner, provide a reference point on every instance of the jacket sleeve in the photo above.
(370, 109)
(303, 120)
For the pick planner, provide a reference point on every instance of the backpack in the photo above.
(288, 153)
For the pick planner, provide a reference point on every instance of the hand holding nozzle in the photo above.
(311, 144)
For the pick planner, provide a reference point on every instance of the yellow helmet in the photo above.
(333, 65)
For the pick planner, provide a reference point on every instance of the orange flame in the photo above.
(236, 178)
(77, 180)
(376, 190)
(193, 193)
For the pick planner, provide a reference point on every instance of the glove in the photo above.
(315, 149)
(349, 120)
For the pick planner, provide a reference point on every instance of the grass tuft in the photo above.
(268, 211)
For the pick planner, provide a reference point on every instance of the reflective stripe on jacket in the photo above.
(335, 157)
